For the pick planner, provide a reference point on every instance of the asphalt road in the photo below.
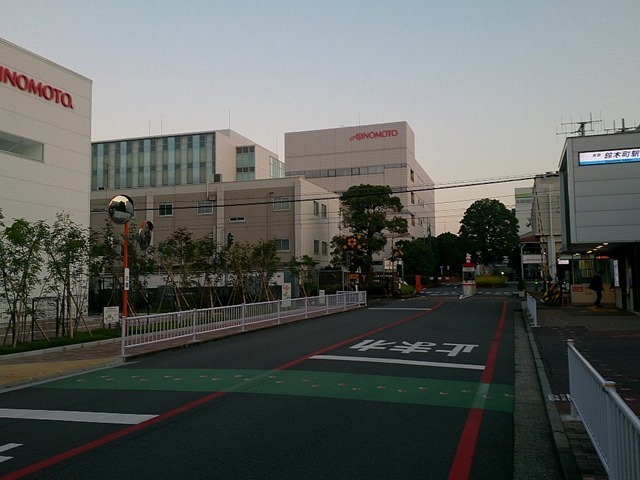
(402, 389)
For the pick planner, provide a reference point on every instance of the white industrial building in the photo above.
(214, 183)
(380, 154)
(45, 138)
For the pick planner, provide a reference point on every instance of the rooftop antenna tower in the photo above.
(582, 128)
(622, 129)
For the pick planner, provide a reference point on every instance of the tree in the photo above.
(418, 258)
(21, 262)
(450, 252)
(67, 249)
(302, 269)
(106, 262)
(265, 263)
(211, 261)
(177, 255)
(370, 211)
(239, 266)
(489, 230)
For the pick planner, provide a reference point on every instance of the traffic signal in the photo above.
(229, 238)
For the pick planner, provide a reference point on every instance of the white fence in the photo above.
(532, 308)
(191, 325)
(612, 426)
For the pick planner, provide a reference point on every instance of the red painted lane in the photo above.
(463, 460)
(184, 408)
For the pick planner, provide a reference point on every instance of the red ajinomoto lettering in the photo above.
(29, 85)
(377, 134)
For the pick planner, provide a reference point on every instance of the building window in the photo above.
(276, 167)
(325, 248)
(245, 163)
(165, 210)
(413, 220)
(413, 198)
(281, 204)
(205, 208)
(316, 246)
(21, 146)
(316, 208)
(412, 175)
(282, 244)
(236, 219)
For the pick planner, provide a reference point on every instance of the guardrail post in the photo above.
(612, 444)
(570, 361)
(306, 307)
(193, 323)
(279, 311)
(123, 326)
(242, 316)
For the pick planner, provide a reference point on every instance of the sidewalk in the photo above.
(35, 366)
(608, 338)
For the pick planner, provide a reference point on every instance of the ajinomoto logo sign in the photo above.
(374, 134)
(29, 85)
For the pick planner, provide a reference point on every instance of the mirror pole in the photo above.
(125, 286)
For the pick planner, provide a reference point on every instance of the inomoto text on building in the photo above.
(29, 85)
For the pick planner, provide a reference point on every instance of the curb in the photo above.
(560, 439)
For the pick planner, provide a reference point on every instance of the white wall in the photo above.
(60, 183)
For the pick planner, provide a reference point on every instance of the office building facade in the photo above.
(45, 138)
(214, 183)
(381, 154)
(183, 159)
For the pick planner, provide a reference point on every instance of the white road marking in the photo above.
(9, 446)
(73, 416)
(464, 366)
(4, 448)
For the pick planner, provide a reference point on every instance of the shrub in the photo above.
(521, 284)
(491, 281)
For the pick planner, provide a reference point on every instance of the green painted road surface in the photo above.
(377, 388)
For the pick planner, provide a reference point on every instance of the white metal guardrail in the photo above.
(613, 427)
(532, 308)
(189, 325)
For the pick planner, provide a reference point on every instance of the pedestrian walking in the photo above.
(596, 286)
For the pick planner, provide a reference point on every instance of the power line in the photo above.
(397, 190)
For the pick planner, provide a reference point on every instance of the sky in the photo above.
(488, 87)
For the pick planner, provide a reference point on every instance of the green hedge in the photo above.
(80, 337)
(491, 280)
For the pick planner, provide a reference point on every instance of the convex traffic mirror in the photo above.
(144, 234)
(121, 209)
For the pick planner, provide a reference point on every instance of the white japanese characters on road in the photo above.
(414, 347)
(407, 348)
